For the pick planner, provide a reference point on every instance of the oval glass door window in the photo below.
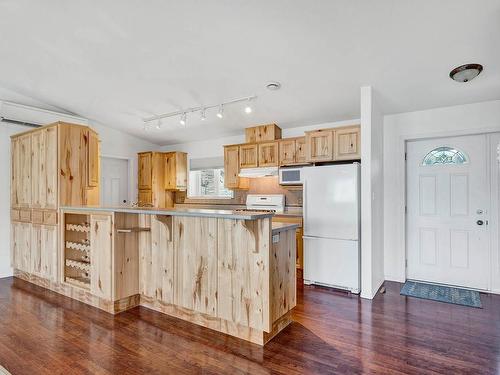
(445, 155)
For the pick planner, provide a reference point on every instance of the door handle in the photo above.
(479, 222)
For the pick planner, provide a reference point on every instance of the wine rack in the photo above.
(77, 250)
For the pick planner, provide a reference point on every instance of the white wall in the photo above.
(113, 143)
(457, 120)
(214, 147)
(372, 198)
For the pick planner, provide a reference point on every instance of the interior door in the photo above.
(114, 181)
(448, 201)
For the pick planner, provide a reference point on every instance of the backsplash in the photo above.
(263, 185)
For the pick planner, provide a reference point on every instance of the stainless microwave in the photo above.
(290, 176)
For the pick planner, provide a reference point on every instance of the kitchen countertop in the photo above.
(282, 227)
(225, 214)
(289, 211)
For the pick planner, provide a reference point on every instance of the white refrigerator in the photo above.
(331, 207)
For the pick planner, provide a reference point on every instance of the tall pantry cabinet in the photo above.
(52, 166)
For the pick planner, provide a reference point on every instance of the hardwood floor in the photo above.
(42, 332)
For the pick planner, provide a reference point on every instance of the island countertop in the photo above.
(226, 214)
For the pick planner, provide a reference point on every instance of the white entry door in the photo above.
(114, 181)
(448, 200)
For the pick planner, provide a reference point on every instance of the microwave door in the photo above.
(290, 176)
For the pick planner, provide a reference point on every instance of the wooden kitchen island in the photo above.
(230, 271)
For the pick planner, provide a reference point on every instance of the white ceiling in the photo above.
(119, 61)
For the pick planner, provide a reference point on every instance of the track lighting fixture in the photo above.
(202, 109)
(220, 114)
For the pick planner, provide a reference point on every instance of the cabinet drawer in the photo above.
(25, 215)
(14, 215)
(37, 217)
(50, 217)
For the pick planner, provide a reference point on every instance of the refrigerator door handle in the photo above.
(311, 238)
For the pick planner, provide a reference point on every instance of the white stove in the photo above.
(268, 202)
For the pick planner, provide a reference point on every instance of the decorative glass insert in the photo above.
(445, 155)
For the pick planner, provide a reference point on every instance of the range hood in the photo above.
(258, 172)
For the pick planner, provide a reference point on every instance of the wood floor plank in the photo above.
(332, 333)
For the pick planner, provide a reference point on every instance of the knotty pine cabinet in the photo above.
(292, 151)
(248, 156)
(232, 169)
(319, 146)
(261, 133)
(175, 171)
(347, 143)
(52, 166)
(268, 154)
(160, 173)
(336, 144)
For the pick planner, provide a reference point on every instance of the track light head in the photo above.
(158, 125)
(203, 116)
(183, 119)
(220, 114)
(248, 107)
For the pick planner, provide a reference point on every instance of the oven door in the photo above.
(290, 176)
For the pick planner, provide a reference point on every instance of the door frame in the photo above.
(491, 173)
(130, 168)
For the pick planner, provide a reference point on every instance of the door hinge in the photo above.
(406, 156)
(406, 263)
(406, 209)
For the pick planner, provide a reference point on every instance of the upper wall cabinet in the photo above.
(319, 146)
(175, 171)
(347, 143)
(292, 151)
(57, 164)
(262, 133)
(21, 171)
(145, 170)
(268, 154)
(333, 144)
(92, 159)
(248, 155)
(231, 167)
(44, 168)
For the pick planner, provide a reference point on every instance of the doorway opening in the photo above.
(115, 181)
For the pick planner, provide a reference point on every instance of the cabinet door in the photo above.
(21, 246)
(319, 145)
(145, 170)
(170, 171)
(175, 171)
(36, 250)
(24, 175)
(268, 154)
(51, 167)
(196, 268)
(300, 150)
(347, 144)
(38, 170)
(231, 167)
(248, 156)
(92, 159)
(101, 256)
(14, 172)
(48, 252)
(287, 151)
